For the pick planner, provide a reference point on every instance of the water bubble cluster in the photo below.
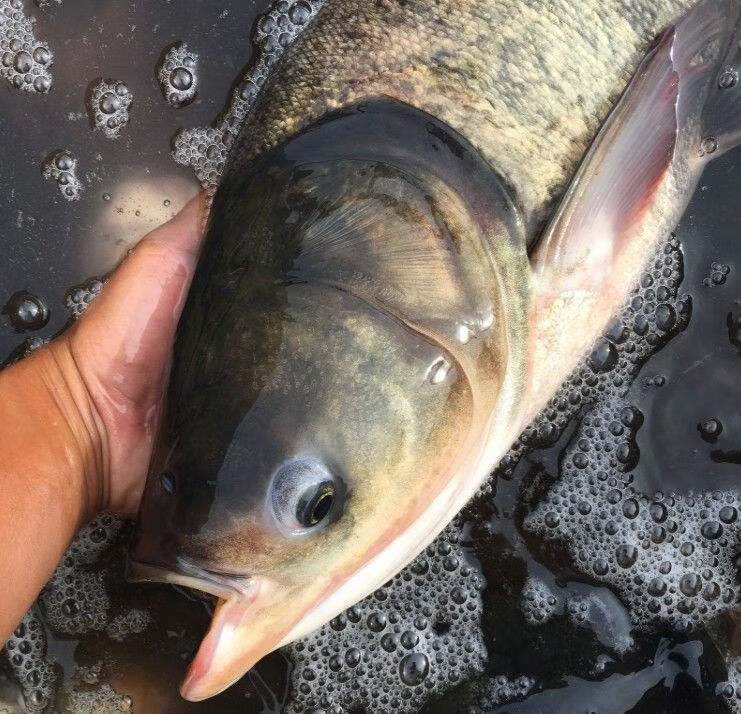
(653, 314)
(178, 75)
(204, 150)
(73, 602)
(76, 599)
(26, 311)
(110, 102)
(502, 690)
(414, 638)
(24, 61)
(89, 674)
(61, 168)
(538, 601)
(78, 298)
(730, 690)
(670, 557)
(26, 655)
(718, 274)
(103, 699)
(130, 622)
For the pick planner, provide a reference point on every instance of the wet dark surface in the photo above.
(620, 656)
(49, 243)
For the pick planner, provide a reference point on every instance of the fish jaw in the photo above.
(244, 628)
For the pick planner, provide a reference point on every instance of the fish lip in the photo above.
(192, 575)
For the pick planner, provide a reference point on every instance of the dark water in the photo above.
(530, 602)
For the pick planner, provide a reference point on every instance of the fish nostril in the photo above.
(167, 482)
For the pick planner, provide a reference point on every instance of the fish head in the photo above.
(343, 363)
(315, 494)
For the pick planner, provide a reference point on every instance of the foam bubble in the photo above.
(24, 60)
(670, 557)
(26, 655)
(205, 149)
(78, 298)
(102, 699)
(178, 75)
(61, 167)
(717, 274)
(538, 602)
(412, 640)
(110, 101)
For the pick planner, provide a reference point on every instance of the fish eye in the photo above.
(315, 504)
(304, 495)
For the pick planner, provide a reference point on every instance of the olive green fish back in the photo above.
(527, 82)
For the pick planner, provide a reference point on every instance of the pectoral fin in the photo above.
(631, 189)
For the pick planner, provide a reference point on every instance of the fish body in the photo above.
(372, 322)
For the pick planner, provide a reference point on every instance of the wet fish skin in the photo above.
(528, 82)
(287, 333)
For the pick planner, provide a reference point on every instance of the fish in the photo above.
(431, 213)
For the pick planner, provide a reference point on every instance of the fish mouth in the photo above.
(243, 630)
(190, 574)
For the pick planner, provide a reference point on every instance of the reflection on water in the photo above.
(597, 572)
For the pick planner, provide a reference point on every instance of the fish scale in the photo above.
(531, 107)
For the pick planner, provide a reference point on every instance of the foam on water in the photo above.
(178, 75)
(410, 641)
(61, 167)
(109, 105)
(24, 60)
(76, 599)
(26, 655)
(102, 699)
(205, 149)
(538, 602)
(78, 298)
(669, 556)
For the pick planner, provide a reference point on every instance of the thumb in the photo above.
(125, 338)
(121, 349)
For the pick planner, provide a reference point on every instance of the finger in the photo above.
(128, 329)
(184, 232)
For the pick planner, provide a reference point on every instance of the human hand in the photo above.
(119, 352)
(79, 417)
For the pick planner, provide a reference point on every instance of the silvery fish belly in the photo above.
(381, 305)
